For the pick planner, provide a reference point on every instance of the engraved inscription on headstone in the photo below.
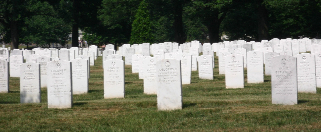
(30, 83)
(169, 91)
(59, 84)
(284, 80)
(114, 79)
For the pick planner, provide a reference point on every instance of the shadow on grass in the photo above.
(14, 91)
(267, 80)
(302, 101)
(79, 103)
(186, 105)
(9, 102)
(93, 91)
(128, 82)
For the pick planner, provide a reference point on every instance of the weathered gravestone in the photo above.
(186, 67)
(43, 60)
(255, 67)
(205, 67)
(169, 91)
(4, 76)
(79, 76)
(15, 62)
(306, 73)
(284, 80)
(114, 79)
(59, 84)
(234, 74)
(150, 76)
(30, 83)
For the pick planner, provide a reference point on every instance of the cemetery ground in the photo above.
(207, 106)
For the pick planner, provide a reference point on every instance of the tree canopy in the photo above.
(136, 21)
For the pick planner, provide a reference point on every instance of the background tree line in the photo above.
(136, 21)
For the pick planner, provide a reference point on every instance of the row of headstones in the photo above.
(63, 79)
(165, 81)
(44, 55)
(44, 72)
(233, 69)
(255, 60)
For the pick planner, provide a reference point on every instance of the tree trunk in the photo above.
(74, 41)
(180, 36)
(14, 35)
(213, 23)
(263, 33)
(213, 32)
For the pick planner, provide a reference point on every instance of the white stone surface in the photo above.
(4, 76)
(284, 80)
(128, 55)
(142, 67)
(306, 73)
(234, 71)
(79, 76)
(59, 84)
(136, 62)
(318, 69)
(205, 67)
(255, 67)
(30, 83)
(145, 49)
(150, 76)
(64, 55)
(43, 61)
(169, 92)
(268, 61)
(88, 59)
(221, 61)
(15, 62)
(114, 79)
(194, 63)
(186, 67)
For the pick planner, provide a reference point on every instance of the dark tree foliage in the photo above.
(141, 27)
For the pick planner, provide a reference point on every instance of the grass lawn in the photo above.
(207, 106)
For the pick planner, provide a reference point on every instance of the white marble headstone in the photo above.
(79, 76)
(4, 76)
(15, 62)
(114, 79)
(284, 80)
(186, 67)
(30, 83)
(255, 67)
(306, 73)
(150, 76)
(234, 71)
(59, 84)
(169, 91)
(205, 67)
(43, 60)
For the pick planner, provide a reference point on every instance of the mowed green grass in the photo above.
(207, 106)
